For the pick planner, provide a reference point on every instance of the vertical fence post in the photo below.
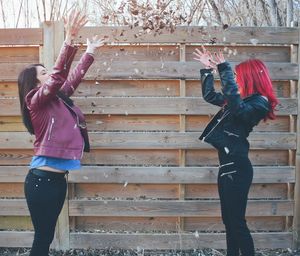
(296, 222)
(53, 39)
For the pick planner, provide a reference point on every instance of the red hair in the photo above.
(252, 76)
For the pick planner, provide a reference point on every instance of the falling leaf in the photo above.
(125, 184)
(254, 41)
(97, 82)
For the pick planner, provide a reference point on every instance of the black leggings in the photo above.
(45, 194)
(234, 180)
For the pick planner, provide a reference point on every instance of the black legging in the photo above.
(234, 180)
(45, 193)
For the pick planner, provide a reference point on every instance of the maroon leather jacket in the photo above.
(57, 125)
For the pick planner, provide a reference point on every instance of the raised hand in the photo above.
(205, 57)
(219, 57)
(95, 43)
(73, 23)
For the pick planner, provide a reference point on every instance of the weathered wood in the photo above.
(200, 35)
(11, 123)
(170, 224)
(53, 41)
(257, 191)
(110, 53)
(149, 241)
(161, 208)
(146, 208)
(128, 88)
(140, 88)
(126, 191)
(127, 224)
(154, 175)
(173, 241)
(213, 224)
(278, 53)
(138, 157)
(197, 123)
(130, 122)
(21, 36)
(296, 220)
(173, 70)
(139, 191)
(257, 157)
(15, 223)
(150, 70)
(154, 140)
(147, 106)
(19, 54)
(281, 88)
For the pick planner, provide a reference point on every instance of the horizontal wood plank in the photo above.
(146, 106)
(21, 36)
(171, 208)
(170, 224)
(154, 140)
(149, 241)
(175, 241)
(196, 34)
(154, 175)
(150, 70)
(153, 208)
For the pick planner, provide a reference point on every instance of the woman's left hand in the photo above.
(95, 43)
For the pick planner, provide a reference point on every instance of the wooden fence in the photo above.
(149, 182)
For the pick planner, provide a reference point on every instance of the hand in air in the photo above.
(94, 43)
(73, 23)
(207, 59)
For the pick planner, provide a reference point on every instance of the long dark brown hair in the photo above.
(27, 81)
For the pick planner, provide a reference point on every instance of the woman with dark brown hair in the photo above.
(59, 128)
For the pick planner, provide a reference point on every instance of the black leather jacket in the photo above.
(230, 127)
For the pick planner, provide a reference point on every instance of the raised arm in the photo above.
(207, 79)
(82, 67)
(47, 91)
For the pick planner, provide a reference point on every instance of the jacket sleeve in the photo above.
(208, 91)
(249, 112)
(47, 91)
(76, 75)
(254, 111)
(229, 86)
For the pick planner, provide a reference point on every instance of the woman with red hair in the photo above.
(244, 103)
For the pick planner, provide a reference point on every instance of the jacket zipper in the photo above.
(230, 163)
(51, 127)
(231, 134)
(218, 122)
(226, 173)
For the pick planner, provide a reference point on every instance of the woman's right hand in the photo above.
(205, 57)
(73, 23)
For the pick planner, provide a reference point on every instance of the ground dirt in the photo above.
(140, 252)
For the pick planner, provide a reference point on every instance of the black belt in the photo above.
(48, 174)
